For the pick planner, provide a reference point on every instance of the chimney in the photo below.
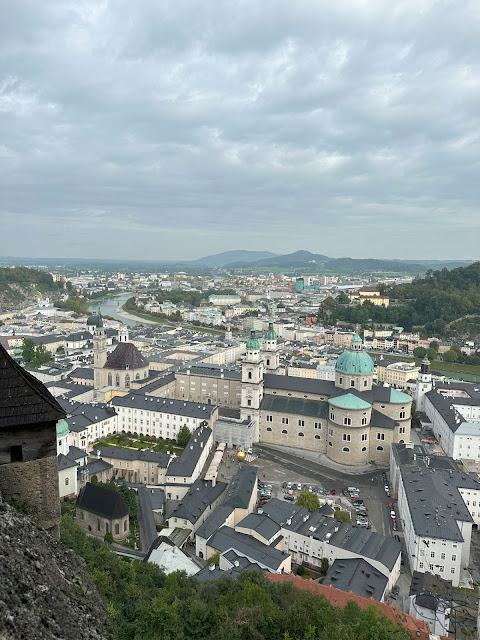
(212, 567)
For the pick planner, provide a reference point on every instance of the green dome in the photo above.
(252, 343)
(354, 362)
(62, 428)
(349, 401)
(270, 332)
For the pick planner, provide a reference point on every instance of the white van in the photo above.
(353, 489)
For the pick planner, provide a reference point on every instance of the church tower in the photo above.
(99, 353)
(123, 333)
(252, 383)
(424, 384)
(271, 355)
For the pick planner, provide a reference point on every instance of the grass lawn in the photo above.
(141, 443)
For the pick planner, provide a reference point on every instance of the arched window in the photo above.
(346, 449)
(364, 448)
(268, 362)
(249, 375)
(402, 415)
(67, 481)
(330, 444)
(109, 379)
(117, 529)
(340, 380)
(137, 376)
(379, 448)
(127, 380)
(301, 434)
(401, 441)
(117, 380)
(284, 431)
(317, 437)
(365, 383)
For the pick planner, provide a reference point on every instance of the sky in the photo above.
(178, 129)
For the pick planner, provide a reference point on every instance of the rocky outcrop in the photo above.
(46, 592)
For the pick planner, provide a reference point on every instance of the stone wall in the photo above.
(98, 526)
(35, 484)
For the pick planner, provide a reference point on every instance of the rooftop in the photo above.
(357, 576)
(102, 502)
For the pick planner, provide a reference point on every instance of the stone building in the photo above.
(100, 511)
(28, 443)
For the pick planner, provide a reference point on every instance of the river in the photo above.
(109, 306)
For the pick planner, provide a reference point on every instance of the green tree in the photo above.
(419, 352)
(108, 537)
(301, 571)
(28, 350)
(431, 354)
(450, 356)
(415, 417)
(41, 356)
(214, 559)
(342, 516)
(434, 344)
(342, 298)
(183, 436)
(324, 566)
(309, 500)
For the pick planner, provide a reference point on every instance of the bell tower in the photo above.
(252, 383)
(99, 352)
(271, 355)
(424, 384)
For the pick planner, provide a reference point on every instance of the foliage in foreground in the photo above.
(145, 604)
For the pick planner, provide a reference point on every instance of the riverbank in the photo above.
(137, 315)
(128, 315)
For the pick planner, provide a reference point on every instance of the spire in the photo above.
(270, 332)
(252, 343)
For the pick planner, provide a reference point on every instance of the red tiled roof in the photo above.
(418, 629)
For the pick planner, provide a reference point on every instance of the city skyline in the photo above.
(177, 131)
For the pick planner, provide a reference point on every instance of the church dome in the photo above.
(270, 332)
(95, 320)
(355, 361)
(62, 428)
(252, 343)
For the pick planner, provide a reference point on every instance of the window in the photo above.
(454, 558)
(346, 449)
(346, 436)
(67, 482)
(268, 362)
(317, 437)
(452, 570)
(442, 556)
(330, 444)
(380, 436)
(379, 448)
(269, 428)
(347, 421)
(401, 430)
(318, 425)
(365, 383)
(364, 448)
(109, 379)
(340, 380)
(117, 529)
(269, 418)
(301, 434)
(332, 416)
(284, 420)
(330, 432)
(432, 554)
(82, 517)
(249, 375)
(127, 380)
(364, 437)
(301, 423)
(364, 421)
(421, 565)
(117, 380)
(98, 524)
(352, 383)
(441, 568)
(249, 402)
(402, 415)
(284, 431)
(16, 453)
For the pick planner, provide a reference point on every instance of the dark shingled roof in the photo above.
(102, 502)
(24, 399)
(126, 355)
(358, 576)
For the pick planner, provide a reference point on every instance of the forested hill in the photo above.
(21, 285)
(431, 303)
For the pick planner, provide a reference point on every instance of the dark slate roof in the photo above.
(162, 381)
(241, 487)
(430, 590)
(434, 502)
(24, 400)
(126, 355)
(262, 524)
(209, 575)
(300, 406)
(358, 576)
(78, 336)
(367, 543)
(199, 497)
(96, 466)
(186, 463)
(65, 463)
(212, 370)
(75, 453)
(266, 556)
(133, 454)
(137, 400)
(326, 510)
(85, 373)
(146, 514)
(102, 502)
(382, 421)
(293, 383)
(214, 521)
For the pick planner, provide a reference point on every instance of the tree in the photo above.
(419, 352)
(324, 566)
(342, 298)
(214, 558)
(431, 354)
(434, 344)
(450, 356)
(41, 356)
(108, 537)
(183, 436)
(308, 500)
(28, 350)
(342, 516)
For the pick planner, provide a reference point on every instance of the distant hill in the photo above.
(369, 265)
(227, 257)
(289, 261)
(20, 286)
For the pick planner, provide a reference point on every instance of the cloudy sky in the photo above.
(176, 129)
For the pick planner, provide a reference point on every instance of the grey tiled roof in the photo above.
(126, 356)
(262, 524)
(296, 406)
(137, 400)
(161, 459)
(358, 576)
(214, 521)
(186, 463)
(293, 383)
(102, 502)
(65, 463)
(241, 487)
(226, 538)
(199, 497)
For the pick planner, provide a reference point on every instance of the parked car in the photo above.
(264, 500)
(288, 496)
(395, 526)
(310, 488)
(333, 492)
(289, 485)
(390, 504)
(393, 515)
(353, 489)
